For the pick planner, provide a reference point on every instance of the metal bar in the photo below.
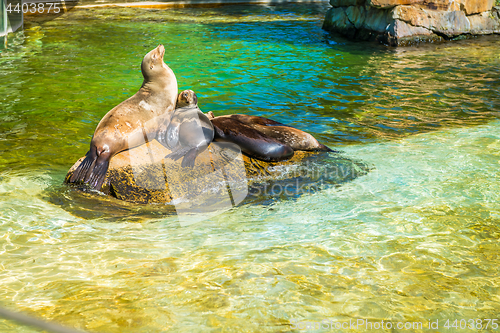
(34, 322)
(3, 8)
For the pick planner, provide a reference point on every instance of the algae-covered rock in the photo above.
(407, 22)
(221, 174)
(143, 175)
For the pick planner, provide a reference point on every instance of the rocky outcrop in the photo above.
(142, 175)
(404, 22)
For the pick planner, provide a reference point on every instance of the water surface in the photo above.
(415, 239)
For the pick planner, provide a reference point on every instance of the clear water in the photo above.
(415, 239)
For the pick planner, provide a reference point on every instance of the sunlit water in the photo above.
(414, 239)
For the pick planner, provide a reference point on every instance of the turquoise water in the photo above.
(415, 239)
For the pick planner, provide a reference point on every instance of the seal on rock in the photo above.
(189, 131)
(128, 124)
(251, 142)
(263, 138)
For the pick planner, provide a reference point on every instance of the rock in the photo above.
(400, 33)
(450, 24)
(391, 21)
(377, 20)
(477, 6)
(356, 15)
(142, 175)
(412, 15)
(469, 6)
(486, 22)
(447, 23)
(346, 3)
(392, 3)
(336, 20)
(400, 29)
(367, 19)
(456, 5)
(495, 12)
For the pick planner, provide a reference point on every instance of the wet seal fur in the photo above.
(189, 131)
(128, 124)
(263, 138)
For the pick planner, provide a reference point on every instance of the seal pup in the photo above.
(128, 124)
(189, 131)
(263, 138)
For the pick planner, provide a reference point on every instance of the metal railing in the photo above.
(11, 17)
(34, 322)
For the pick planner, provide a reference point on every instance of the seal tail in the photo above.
(84, 167)
(322, 147)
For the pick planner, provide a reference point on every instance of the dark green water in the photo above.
(416, 239)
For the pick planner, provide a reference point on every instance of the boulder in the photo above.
(392, 3)
(477, 6)
(340, 19)
(405, 22)
(377, 20)
(400, 29)
(336, 20)
(484, 23)
(356, 15)
(142, 175)
(346, 3)
(446, 23)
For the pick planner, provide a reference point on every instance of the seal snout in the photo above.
(161, 50)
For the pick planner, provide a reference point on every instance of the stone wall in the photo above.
(405, 22)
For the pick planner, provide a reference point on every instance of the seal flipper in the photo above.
(84, 167)
(190, 155)
(189, 158)
(178, 153)
(95, 178)
(322, 147)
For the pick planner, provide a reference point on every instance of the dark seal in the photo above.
(263, 138)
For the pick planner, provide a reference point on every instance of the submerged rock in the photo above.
(405, 22)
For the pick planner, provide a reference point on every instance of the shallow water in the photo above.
(414, 239)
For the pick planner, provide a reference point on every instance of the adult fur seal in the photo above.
(263, 138)
(251, 142)
(189, 131)
(127, 125)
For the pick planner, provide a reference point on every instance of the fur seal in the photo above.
(189, 131)
(263, 138)
(127, 125)
(251, 142)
